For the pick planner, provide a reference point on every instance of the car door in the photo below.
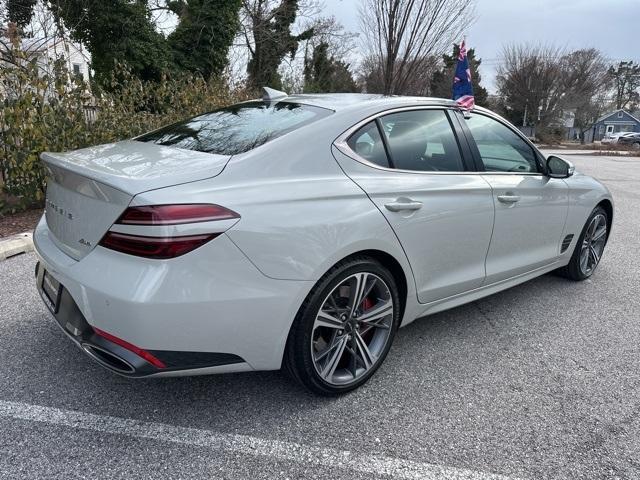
(412, 167)
(530, 207)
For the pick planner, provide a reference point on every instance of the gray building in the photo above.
(614, 122)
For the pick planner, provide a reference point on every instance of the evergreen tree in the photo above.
(323, 73)
(272, 41)
(442, 80)
(123, 31)
(115, 31)
(200, 43)
(20, 11)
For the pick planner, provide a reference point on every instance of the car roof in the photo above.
(343, 101)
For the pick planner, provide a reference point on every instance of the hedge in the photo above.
(45, 108)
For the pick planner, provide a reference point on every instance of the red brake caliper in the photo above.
(367, 304)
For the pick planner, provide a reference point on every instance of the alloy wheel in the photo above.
(593, 244)
(352, 328)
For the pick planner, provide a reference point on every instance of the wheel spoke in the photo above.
(332, 345)
(592, 228)
(594, 255)
(370, 326)
(584, 258)
(334, 359)
(364, 354)
(325, 319)
(377, 313)
(353, 361)
(356, 293)
(599, 234)
(333, 303)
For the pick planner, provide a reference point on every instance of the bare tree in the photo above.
(328, 30)
(530, 80)
(372, 78)
(400, 34)
(585, 82)
(538, 83)
(625, 78)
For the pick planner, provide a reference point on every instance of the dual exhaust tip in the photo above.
(108, 359)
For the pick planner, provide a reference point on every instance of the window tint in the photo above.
(422, 140)
(501, 149)
(367, 143)
(236, 129)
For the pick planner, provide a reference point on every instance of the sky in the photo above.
(609, 25)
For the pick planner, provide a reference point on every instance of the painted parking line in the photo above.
(242, 444)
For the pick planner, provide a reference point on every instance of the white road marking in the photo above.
(243, 444)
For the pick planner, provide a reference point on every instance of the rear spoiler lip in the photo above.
(51, 159)
(132, 185)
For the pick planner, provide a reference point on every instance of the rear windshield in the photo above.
(236, 129)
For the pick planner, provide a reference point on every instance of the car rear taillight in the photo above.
(175, 214)
(154, 247)
(138, 243)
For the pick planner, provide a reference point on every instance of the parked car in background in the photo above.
(301, 232)
(631, 139)
(614, 138)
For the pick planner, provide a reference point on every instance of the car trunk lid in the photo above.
(88, 189)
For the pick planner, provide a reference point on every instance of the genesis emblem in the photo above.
(58, 209)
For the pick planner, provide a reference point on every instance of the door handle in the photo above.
(403, 204)
(509, 198)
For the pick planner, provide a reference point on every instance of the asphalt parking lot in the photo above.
(540, 381)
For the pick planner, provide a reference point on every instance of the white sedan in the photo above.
(613, 138)
(300, 232)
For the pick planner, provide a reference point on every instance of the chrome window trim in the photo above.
(341, 144)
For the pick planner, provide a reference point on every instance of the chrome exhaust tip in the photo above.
(108, 359)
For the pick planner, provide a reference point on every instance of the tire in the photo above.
(575, 269)
(319, 350)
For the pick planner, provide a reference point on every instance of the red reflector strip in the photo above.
(132, 348)
(154, 247)
(175, 214)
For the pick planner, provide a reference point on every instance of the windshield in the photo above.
(236, 129)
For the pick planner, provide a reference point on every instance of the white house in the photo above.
(47, 50)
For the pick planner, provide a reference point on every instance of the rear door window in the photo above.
(368, 144)
(238, 128)
(422, 140)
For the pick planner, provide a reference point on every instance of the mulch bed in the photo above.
(19, 222)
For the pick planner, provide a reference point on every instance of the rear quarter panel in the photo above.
(300, 214)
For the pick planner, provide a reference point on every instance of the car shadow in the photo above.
(42, 367)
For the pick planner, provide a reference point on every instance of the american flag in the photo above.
(462, 87)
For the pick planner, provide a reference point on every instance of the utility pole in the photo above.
(526, 105)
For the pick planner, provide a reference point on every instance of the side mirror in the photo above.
(559, 167)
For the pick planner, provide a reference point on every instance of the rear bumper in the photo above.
(209, 311)
(121, 360)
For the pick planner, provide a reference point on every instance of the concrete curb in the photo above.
(15, 245)
(604, 153)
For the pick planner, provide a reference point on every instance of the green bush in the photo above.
(44, 108)
(551, 135)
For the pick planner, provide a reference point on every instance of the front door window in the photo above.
(501, 149)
